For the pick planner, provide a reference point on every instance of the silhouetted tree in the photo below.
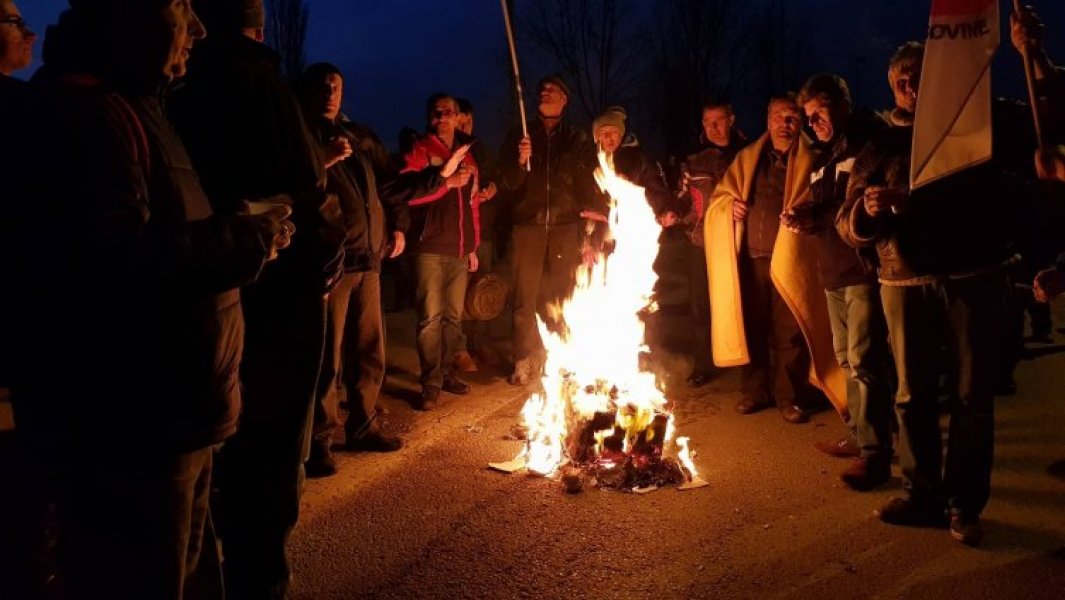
(700, 51)
(286, 32)
(598, 46)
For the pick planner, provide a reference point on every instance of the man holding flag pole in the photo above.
(926, 196)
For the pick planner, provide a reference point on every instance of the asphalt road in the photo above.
(431, 521)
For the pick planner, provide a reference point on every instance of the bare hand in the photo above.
(798, 219)
(739, 210)
(472, 263)
(879, 199)
(524, 151)
(399, 244)
(668, 219)
(488, 192)
(1048, 284)
(337, 150)
(455, 161)
(1026, 30)
(1050, 163)
(461, 177)
(589, 256)
(594, 216)
(273, 217)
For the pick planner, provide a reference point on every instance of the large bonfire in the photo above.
(601, 409)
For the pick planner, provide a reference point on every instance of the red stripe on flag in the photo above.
(959, 8)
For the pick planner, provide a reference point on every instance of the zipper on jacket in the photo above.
(547, 170)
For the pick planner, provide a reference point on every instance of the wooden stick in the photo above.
(1029, 75)
(517, 74)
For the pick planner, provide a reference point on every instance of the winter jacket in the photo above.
(373, 202)
(448, 219)
(248, 140)
(839, 264)
(703, 170)
(636, 166)
(962, 225)
(122, 281)
(561, 183)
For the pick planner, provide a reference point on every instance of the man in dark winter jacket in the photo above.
(104, 200)
(859, 335)
(247, 138)
(942, 251)
(623, 151)
(551, 174)
(700, 172)
(376, 219)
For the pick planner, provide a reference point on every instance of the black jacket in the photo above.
(248, 140)
(373, 201)
(960, 225)
(561, 183)
(122, 282)
(839, 264)
(700, 173)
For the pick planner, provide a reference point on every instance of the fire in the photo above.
(599, 405)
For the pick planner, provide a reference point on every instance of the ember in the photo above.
(601, 411)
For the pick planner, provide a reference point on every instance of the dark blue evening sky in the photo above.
(396, 52)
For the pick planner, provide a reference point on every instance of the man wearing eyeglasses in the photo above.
(16, 42)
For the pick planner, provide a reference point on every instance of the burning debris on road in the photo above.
(601, 414)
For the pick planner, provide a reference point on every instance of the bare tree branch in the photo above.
(286, 32)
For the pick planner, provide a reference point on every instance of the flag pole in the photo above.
(517, 73)
(1029, 75)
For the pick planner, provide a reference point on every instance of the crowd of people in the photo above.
(193, 282)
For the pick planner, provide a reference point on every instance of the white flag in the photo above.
(952, 127)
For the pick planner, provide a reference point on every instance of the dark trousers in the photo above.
(780, 362)
(354, 358)
(699, 301)
(441, 295)
(545, 272)
(24, 502)
(261, 467)
(138, 528)
(966, 316)
(859, 338)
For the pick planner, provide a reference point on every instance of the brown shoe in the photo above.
(750, 405)
(320, 463)
(374, 440)
(864, 474)
(464, 362)
(845, 447)
(429, 399)
(911, 513)
(794, 415)
(454, 385)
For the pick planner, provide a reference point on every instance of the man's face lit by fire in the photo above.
(465, 123)
(717, 125)
(825, 117)
(552, 100)
(609, 138)
(182, 28)
(329, 96)
(16, 39)
(444, 117)
(783, 124)
(905, 79)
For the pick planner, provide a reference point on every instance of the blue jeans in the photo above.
(441, 295)
(859, 337)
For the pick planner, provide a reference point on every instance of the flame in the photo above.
(593, 365)
(684, 455)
